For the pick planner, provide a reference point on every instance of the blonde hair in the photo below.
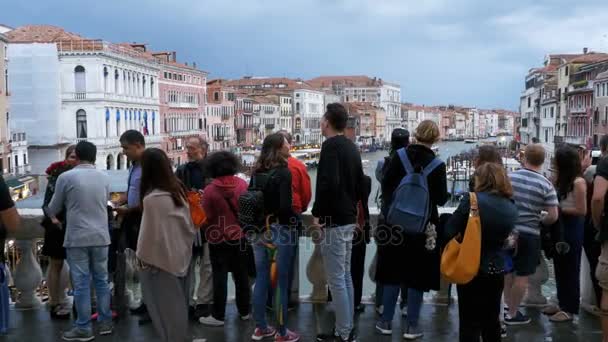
(427, 132)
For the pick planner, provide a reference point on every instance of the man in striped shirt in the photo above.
(533, 194)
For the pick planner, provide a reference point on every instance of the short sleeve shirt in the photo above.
(133, 192)
(532, 193)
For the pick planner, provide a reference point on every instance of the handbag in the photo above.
(460, 259)
(196, 208)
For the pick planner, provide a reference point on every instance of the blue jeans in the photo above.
(414, 304)
(336, 249)
(87, 262)
(285, 240)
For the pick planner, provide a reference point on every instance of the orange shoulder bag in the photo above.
(196, 208)
(460, 260)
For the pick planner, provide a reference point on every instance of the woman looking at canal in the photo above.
(410, 260)
(572, 193)
(272, 176)
(479, 301)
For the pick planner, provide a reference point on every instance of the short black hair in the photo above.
(336, 116)
(604, 143)
(86, 151)
(133, 137)
(222, 163)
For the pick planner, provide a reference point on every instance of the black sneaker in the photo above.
(326, 337)
(360, 308)
(503, 331)
(518, 319)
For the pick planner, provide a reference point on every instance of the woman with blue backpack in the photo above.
(275, 239)
(413, 187)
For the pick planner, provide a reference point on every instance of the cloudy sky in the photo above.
(468, 52)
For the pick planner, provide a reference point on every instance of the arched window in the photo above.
(107, 123)
(105, 79)
(151, 86)
(81, 124)
(109, 162)
(117, 123)
(115, 81)
(119, 160)
(143, 88)
(80, 82)
(153, 122)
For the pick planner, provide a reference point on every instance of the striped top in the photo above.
(532, 193)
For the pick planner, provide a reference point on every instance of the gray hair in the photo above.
(201, 141)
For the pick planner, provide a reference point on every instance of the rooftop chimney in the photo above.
(585, 50)
(173, 56)
(194, 65)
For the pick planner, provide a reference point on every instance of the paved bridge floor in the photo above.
(440, 323)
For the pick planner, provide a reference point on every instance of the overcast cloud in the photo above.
(469, 52)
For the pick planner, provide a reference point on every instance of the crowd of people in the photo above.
(252, 231)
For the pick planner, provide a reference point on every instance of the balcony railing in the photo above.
(100, 96)
(182, 105)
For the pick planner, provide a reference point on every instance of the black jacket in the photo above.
(402, 258)
(498, 215)
(277, 194)
(184, 173)
(339, 179)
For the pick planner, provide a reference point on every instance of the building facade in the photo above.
(95, 91)
(308, 109)
(600, 120)
(4, 109)
(220, 101)
(182, 96)
(365, 89)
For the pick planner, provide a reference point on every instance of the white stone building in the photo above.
(308, 108)
(67, 88)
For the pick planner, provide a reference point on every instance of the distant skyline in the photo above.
(462, 52)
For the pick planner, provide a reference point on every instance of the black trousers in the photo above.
(593, 249)
(479, 308)
(357, 267)
(230, 257)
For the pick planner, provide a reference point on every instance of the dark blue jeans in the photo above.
(390, 294)
(285, 240)
(568, 266)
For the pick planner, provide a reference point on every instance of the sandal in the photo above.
(560, 317)
(551, 310)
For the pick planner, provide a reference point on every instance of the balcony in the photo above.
(574, 140)
(581, 111)
(182, 134)
(114, 141)
(100, 96)
(23, 169)
(182, 105)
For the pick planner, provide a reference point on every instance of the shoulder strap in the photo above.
(407, 165)
(474, 204)
(432, 166)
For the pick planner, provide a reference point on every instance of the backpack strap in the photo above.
(432, 166)
(405, 161)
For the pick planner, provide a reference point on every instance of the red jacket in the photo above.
(222, 222)
(300, 185)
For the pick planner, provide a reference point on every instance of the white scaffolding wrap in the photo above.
(35, 87)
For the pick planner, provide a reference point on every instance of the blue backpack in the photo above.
(410, 208)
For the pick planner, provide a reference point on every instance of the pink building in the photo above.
(219, 121)
(183, 94)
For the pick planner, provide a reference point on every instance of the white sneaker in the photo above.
(211, 321)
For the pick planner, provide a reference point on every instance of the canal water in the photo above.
(446, 149)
